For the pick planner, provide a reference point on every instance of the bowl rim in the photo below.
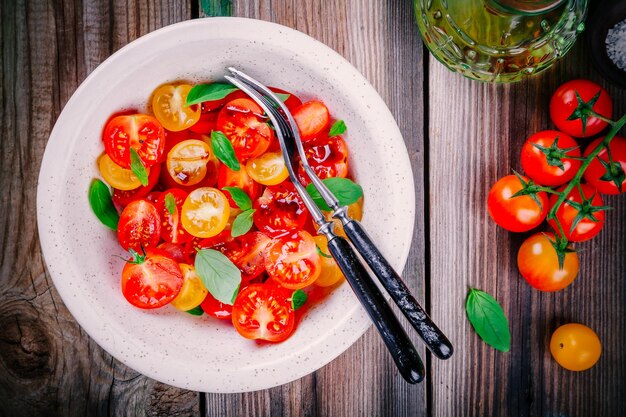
(359, 321)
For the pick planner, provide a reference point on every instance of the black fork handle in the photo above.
(434, 338)
(398, 343)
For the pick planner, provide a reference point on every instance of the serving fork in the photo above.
(400, 346)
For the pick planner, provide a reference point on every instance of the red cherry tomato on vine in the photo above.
(262, 312)
(139, 226)
(564, 103)
(151, 281)
(538, 263)
(517, 214)
(603, 176)
(578, 228)
(544, 158)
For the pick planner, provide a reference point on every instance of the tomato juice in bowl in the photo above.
(176, 348)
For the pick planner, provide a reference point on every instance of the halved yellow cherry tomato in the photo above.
(193, 291)
(205, 212)
(168, 105)
(187, 161)
(331, 273)
(116, 176)
(355, 210)
(268, 169)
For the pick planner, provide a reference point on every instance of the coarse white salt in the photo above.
(616, 44)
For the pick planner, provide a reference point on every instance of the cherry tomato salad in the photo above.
(200, 197)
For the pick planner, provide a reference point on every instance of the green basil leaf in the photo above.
(346, 191)
(240, 197)
(282, 96)
(102, 204)
(218, 274)
(208, 92)
(338, 128)
(235, 294)
(242, 223)
(170, 203)
(488, 319)
(136, 165)
(320, 253)
(197, 311)
(224, 151)
(298, 298)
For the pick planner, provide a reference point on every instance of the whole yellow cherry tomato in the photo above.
(575, 347)
(331, 273)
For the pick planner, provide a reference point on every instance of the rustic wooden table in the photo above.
(461, 136)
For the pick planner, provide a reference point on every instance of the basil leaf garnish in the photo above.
(218, 274)
(102, 204)
(240, 197)
(138, 168)
(242, 223)
(488, 319)
(170, 203)
(298, 298)
(346, 191)
(224, 151)
(338, 128)
(208, 92)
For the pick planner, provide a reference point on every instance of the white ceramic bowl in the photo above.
(179, 349)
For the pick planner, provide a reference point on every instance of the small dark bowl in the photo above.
(606, 15)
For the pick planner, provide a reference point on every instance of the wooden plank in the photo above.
(382, 42)
(48, 365)
(475, 136)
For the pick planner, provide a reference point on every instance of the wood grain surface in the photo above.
(461, 136)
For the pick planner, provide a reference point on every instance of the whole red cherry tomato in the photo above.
(545, 158)
(580, 216)
(608, 178)
(520, 213)
(580, 94)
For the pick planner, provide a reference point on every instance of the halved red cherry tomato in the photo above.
(123, 198)
(279, 210)
(216, 308)
(174, 138)
(545, 161)
(292, 101)
(247, 252)
(538, 263)
(151, 281)
(293, 261)
(564, 103)
(139, 226)
(603, 176)
(229, 178)
(139, 131)
(576, 228)
(327, 156)
(260, 312)
(171, 226)
(243, 123)
(312, 118)
(517, 214)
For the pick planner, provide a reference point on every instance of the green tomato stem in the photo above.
(615, 127)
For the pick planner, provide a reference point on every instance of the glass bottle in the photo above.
(499, 40)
